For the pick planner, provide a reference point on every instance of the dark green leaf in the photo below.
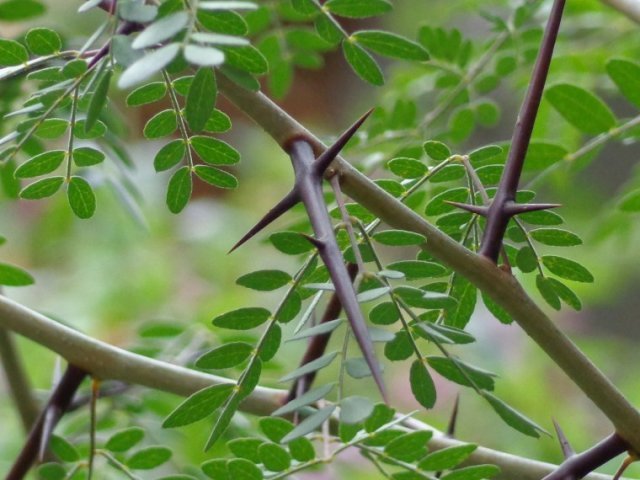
(390, 45)
(198, 406)
(123, 440)
(214, 151)
(415, 269)
(407, 167)
(81, 197)
(400, 348)
(161, 124)
(626, 76)
(64, 450)
(43, 41)
(291, 243)
(437, 205)
(98, 100)
(245, 58)
(18, 10)
(13, 276)
(568, 269)
(169, 155)
(246, 448)
(225, 356)
(512, 417)
(437, 150)
(241, 469)
(74, 68)
(12, 53)
(265, 280)
(556, 237)
(274, 457)
(453, 370)
(567, 295)
(216, 469)
(399, 238)
(496, 310)
(302, 449)
(179, 190)
(201, 99)
(310, 424)
(384, 314)
(380, 416)
(274, 428)
(41, 164)
(42, 188)
(52, 471)
(548, 292)
(215, 176)
(630, 202)
(476, 472)
(271, 342)
(87, 156)
(581, 108)
(149, 93)
(408, 447)
(447, 458)
(357, 8)
(242, 319)
(422, 385)
(362, 63)
(526, 260)
(149, 458)
(52, 128)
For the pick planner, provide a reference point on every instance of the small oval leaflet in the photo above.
(362, 63)
(243, 318)
(309, 424)
(170, 155)
(13, 276)
(399, 238)
(179, 190)
(43, 41)
(41, 164)
(42, 188)
(149, 458)
(215, 176)
(274, 457)
(81, 197)
(390, 45)
(123, 440)
(225, 356)
(198, 406)
(422, 385)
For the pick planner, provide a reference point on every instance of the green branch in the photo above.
(497, 284)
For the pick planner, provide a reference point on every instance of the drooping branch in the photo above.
(38, 439)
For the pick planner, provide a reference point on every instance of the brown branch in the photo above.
(40, 434)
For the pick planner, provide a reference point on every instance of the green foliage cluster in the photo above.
(63, 133)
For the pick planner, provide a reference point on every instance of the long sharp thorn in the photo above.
(324, 160)
(517, 208)
(451, 428)
(282, 207)
(565, 446)
(51, 417)
(319, 244)
(477, 209)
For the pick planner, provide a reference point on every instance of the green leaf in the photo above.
(327, 30)
(461, 124)
(355, 409)
(526, 259)
(218, 122)
(556, 237)
(476, 472)
(512, 417)
(87, 156)
(198, 406)
(170, 155)
(447, 458)
(304, 7)
(542, 217)
(246, 448)
(312, 366)
(302, 449)
(626, 76)
(291, 243)
(201, 99)
(214, 151)
(399, 238)
(400, 348)
(161, 30)
(630, 203)
(148, 65)
(179, 190)
(438, 204)
(548, 292)
(271, 342)
(99, 129)
(384, 314)
(13, 276)
(357, 8)
(74, 68)
(436, 150)
(246, 58)
(52, 471)
(416, 269)
(149, 458)
(422, 385)
(98, 100)
(204, 56)
(567, 269)
(541, 155)
(215, 176)
(64, 450)
(52, 128)
(161, 124)
(496, 310)
(43, 41)
(362, 63)
(307, 398)
(390, 45)
(582, 109)
(18, 10)
(274, 457)
(12, 53)
(41, 164)
(225, 356)
(453, 370)
(567, 295)
(408, 447)
(380, 416)
(216, 469)
(81, 197)
(223, 420)
(310, 424)
(275, 429)
(42, 188)
(407, 167)
(149, 93)
(265, 280)
(242, 319)
(241, 469)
